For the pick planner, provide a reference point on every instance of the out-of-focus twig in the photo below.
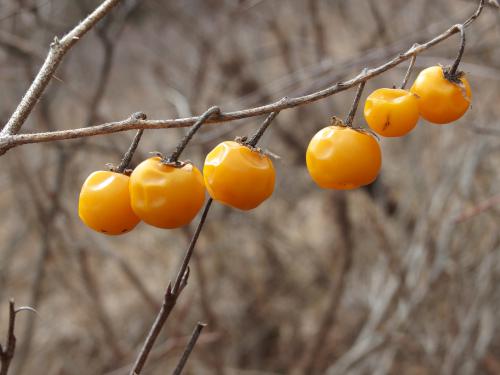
(98, 306)
(478, 209)
(338, 286)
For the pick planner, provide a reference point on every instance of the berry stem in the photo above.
(263, 127)
(355, 103)
(408, 72)
(173, 158)
(454, 67)
(127, 158)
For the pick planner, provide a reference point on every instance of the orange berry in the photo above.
(391, 112)
(439, 100)
(104, 203)
(340, 157)
(238, 176)
(166, 196)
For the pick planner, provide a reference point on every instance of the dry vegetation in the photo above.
(399, 278)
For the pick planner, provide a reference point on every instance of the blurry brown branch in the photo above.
(487, 131)
(19, 44)
(58, 49)
(9, 138)
(478, 209)
(94, 292)
(318, 29)
(46, 217)
(316, 347)
(189, 348)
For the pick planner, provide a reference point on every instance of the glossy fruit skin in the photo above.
(104, 203)
(391, 112)
(238, 176)
(166, 196)
(441, 101)
(342, 158)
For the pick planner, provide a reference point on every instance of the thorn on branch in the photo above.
(168, 292)
(55, 43)
(26, 308)
(184, 280)
(138, 116)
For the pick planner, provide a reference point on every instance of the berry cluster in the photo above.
(169, 194)
(342, 157)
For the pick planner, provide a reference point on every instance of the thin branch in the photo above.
(318, 29)
(97, 304)
(479, 208)
(170, 298)
(58, 49)
(189, 348)
(486, 130)
(338, 287)
(9, 140)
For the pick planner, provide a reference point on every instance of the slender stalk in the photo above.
(355, 103)
(408, 72)
(454, 68)
(127, 158)
(189, 348)
(263, 127)
(173, 158)
(170, 298)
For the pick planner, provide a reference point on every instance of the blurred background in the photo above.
(401, 277)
